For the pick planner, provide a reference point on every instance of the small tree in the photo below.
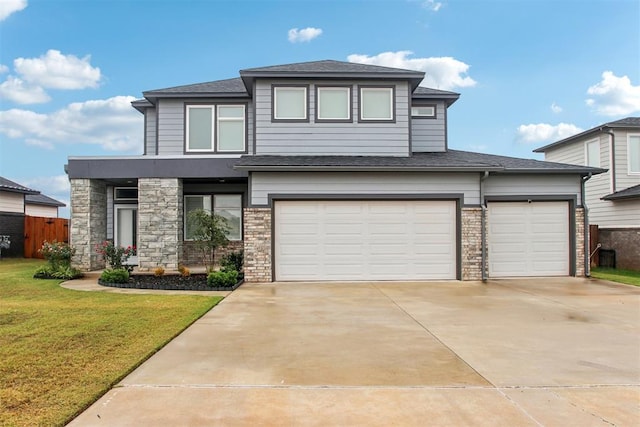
(209, 231)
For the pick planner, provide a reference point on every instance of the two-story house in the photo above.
(328, 170)
(612, 198)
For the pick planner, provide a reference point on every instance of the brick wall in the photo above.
(471, 243)
(580, 248)
(12, 225)
(192, 256)
(626, 243)
(257, 244)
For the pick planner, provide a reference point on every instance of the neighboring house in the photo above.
(612, 198)
(328, 170)
(16, 201)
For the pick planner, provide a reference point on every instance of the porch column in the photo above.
(88, 222)
(257, 245)
(471, 243)
(160, 226)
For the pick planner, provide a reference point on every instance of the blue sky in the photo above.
(529, 72)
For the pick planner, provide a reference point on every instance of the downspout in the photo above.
(483, 221)
(585, 210)
(612, 157)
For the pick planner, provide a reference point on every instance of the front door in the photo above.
(126, 226)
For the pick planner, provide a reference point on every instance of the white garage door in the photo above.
(365, 240)
(528, 239)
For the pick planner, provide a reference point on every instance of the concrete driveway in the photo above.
(511, 352)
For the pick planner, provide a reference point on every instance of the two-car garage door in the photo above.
(365, 240)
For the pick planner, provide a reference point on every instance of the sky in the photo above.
(528, 72)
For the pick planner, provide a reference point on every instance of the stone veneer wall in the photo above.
(580, 243)
(626, 243)
(88, 222)
(160, 226)
(471, 243)
(192, 256)
(257, 245)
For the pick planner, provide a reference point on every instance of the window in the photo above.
(376, 104)
(290, 103)
(126, 193)
(633, 153)
(333, 103)
(593, 153)
(199, 127)
(421, 111)
(228, 206)
(229, 128)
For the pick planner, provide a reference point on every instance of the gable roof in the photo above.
(626, 123)
(14, 187)
(627, 193)
(41, 199)
(452, 160)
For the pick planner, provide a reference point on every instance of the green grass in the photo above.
(60, 349)
(630, 277)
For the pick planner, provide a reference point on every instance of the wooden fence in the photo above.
(38, 229)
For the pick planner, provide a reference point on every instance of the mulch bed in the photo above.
(169, 282)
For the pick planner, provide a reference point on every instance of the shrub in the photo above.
(222, 279)
(58, 254)
(115, 256)
(115, 275)
(184, 271)
(159, 271)
(209, 231)
(232, 261)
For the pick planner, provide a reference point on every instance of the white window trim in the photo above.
(210, 209)
(391, 106)
(213, 128)
(116, 208)
(333, 88)
(629, 171)
(231, 119)
(586, 152)
(304, 99)
(115, 193)
(424, 116)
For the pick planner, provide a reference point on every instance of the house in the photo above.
(17, 201)
(612, 198)
(328, 170)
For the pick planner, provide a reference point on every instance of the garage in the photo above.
(528, 239)
(360, 240)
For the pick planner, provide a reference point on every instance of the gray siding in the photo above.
(384, 139)
(428, 135)
(171, 124)
(264, 183)
(150, 131)
(533, 185)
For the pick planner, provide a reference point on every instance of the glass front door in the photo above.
(126, 226)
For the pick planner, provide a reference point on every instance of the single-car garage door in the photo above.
(365, 240)
(528, 239)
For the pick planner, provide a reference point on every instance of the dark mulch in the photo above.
(169, 282)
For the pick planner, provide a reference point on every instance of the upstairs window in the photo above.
(333, 103)
(423, 111)
(633, 153)
(592, 149)
(376, 104)
(290, 103)
(215, 128)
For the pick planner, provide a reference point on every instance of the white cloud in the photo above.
(432, 5)
(110, 123)
(556, 108)
(3, 69)
(48, 184)
(57, 71)
(303, 35)
(444, 73)
(541, 132)
(16, 90)
(614, 96)
(39, 143)
(7, 7)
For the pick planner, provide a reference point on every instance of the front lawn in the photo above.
(630, 277)
(61, 349)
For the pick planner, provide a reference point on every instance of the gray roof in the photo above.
(427, 93)
(41, 199)
(225, 88)
(14, 187)
(627, 193)
(452, 160)
(626, 123)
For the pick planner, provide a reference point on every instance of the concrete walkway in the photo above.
(512, 352)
